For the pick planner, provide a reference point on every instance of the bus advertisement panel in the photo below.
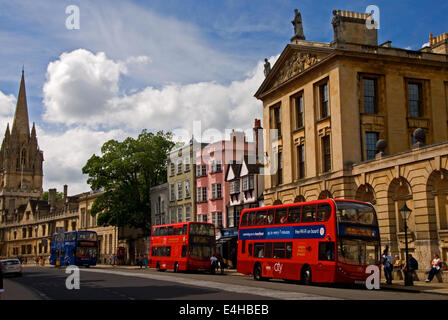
(318, 241)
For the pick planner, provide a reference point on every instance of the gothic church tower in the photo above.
(20, 160)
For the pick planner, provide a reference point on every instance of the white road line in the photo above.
(265, 292)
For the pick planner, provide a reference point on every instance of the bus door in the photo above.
(326, 246)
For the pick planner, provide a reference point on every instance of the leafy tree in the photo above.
(126, 171)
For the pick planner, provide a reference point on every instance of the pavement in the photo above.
(434, 287)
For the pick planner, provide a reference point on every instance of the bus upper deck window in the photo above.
(270, 217)
(309, 213)
(280, 216)
(184, 229)
(323, 211)
(252, 218)
(261, 217)
(294, 214)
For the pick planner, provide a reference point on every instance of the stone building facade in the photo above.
(330, 103)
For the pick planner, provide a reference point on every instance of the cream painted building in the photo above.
(330, 104)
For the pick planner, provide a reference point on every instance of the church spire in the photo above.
(20, 125)
(7, 131)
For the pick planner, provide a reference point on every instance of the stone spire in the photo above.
(7, 134)
(20, 125)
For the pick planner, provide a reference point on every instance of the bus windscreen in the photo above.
(355, 213)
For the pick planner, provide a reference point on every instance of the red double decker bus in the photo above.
(318, 241)
(182, 246)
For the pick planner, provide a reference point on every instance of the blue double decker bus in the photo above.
(78, 248)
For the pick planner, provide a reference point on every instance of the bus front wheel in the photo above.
(306, 275)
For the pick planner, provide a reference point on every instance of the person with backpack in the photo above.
(413, 266)
(387, 264)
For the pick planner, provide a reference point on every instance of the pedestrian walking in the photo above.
(140, 261)
(213, 264)
(436, 264)
(387, 264)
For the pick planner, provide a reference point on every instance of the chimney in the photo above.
(439, 44)
(351, 28)
(258, 138)
(65, 192)
(51, 197)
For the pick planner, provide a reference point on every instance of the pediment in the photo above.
(293, 61)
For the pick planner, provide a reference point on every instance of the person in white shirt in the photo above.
(388, 266)
(436, 264)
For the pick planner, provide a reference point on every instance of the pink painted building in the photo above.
(212, 190)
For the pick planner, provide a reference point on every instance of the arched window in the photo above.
(365, 193)
(325, 195)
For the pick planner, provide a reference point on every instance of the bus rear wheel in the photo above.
(257, 272)
(306, 277)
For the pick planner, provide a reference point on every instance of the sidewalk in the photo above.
(419, 286)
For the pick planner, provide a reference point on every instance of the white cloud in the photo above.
(7, 107)
(7, 104)
(83, 88)
(78, 85)
(83, 92)
(66, 154)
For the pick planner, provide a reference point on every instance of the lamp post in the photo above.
(405, 214)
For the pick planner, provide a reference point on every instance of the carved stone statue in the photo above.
(267, 67)
(298, 28)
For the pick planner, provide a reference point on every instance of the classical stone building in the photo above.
(330, 104)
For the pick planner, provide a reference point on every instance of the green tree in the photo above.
(126, 171)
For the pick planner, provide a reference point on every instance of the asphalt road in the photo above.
(133, 284)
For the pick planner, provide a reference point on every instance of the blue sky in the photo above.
(184, 53)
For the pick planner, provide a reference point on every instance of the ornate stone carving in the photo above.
(298, 62)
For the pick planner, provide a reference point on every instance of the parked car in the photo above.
(11, 266)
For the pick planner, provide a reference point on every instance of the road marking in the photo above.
(265, 292)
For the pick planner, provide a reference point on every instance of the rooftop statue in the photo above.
(298, 27)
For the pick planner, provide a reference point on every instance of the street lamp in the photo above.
(405, 214)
